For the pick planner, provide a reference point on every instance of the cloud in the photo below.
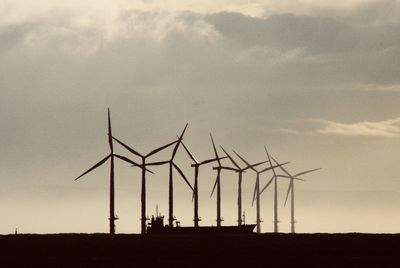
(314, 34)
(230, 67)
(386, 129)
(379, 87)
(285, 31)
(70, 27)
(190, 65)
(17, 10)
(389, 128)
(239, 66)
(73, 33)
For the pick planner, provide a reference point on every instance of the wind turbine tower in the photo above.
(217, 184)
(276, 221)
(256, 194)
(143, 166)
(173, 166)
(240, 172)
(291, 191)
(197, 166)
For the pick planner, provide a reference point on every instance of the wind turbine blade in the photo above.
(290, 177)
(182, 175)
(254, 165)
(268, 184)
(160, 148)
(213, 189)
(110, 142)
(306, 172)
(272, 167)
(247, 163)
(265, 148)
(126, 159)
(230, 158)
(281, 167)
(229, 168)
(127, 147)
(189, 153)
(269, 159)
(179, 142)
(95, 166)
(254, 194)
(211, 160)
(215, 150)
(290, 188)
(266, 151)
(160, 163)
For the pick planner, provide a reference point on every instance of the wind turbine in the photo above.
(239, 170)
(197, 166)
(275, 180)
(291, 191)
(217, 184)
(173, 166)
(276, 221)
(110, 156)
(256, 194)
(143, 166)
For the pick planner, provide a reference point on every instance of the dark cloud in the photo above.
(316, 35)
(286, 32)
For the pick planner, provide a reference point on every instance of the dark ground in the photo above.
(266, 250)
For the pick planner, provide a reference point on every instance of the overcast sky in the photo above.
(316, 81)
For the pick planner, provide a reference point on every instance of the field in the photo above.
(265, 250)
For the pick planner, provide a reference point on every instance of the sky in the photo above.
(315, 81)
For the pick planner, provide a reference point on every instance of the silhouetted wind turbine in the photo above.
(173, 166)
(276, 221)
(291, 190)
(197, 166)
(256, 193)
(274, 178)
(239, 170)
(110, 156)
(217, 183)
(143, 166)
